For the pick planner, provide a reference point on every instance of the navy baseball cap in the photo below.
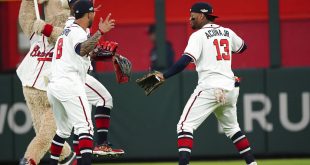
(203, 7)
(83, 6)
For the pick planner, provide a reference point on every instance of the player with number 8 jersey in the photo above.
(66, 89)
(68, 68)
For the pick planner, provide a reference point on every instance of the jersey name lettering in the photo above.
(216, 32)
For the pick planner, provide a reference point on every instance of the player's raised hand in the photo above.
(107, 24)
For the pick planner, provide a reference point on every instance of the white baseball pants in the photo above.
(96, 93)
(202, 103)
(74, 112)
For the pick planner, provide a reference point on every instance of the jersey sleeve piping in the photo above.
(240, 47)
(77, 48)
(31, 36)
(188, 54)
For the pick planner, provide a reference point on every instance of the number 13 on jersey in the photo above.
(59, 48)
(222, 55)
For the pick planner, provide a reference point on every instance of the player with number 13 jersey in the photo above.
(210, 48)
(214, 71)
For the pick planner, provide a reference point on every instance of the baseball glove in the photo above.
(104, 51)
(150, 82)
(122, 67)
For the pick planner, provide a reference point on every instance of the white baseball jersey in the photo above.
(96, 93)
(68, 68)
(68, 23)
(36, 64)
(211, 49)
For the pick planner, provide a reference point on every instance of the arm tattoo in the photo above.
(89, 44)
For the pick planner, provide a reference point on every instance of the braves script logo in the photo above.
(42, 56)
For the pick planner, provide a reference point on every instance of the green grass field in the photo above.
(233, 162)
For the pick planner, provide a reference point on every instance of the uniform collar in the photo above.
(71, 18)
(211, 25)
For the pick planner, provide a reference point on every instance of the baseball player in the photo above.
(99, 97)
(66, 91)
(32, 70)
(210, 48)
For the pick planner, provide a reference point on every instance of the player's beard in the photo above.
(197, 25)
(194, 25)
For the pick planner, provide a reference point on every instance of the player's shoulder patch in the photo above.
(66, 32)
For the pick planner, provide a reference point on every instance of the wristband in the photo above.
(47, 30)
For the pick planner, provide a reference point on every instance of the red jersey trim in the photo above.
(42, 59)
(88, 124)
(38, 74)
(96, 93)
(45, 59)
(189, 109)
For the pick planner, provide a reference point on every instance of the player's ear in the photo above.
(201, 16)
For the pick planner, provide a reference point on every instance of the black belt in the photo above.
(237, 81)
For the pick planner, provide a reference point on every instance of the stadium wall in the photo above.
(273, 110)
(249, 20)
